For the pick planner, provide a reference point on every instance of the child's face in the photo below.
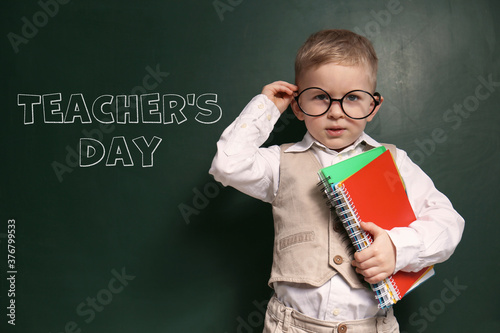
(334, 129)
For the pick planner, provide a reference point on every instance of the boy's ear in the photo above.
(380, 100)
(296, 110)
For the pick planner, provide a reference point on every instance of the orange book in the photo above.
(375, 194)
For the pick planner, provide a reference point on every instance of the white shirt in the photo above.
(240, 162)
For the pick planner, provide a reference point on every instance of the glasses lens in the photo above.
(358, 104)
(314, 101)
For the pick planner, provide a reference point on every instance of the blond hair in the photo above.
(342, 47)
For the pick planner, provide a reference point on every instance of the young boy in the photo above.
(314, 274)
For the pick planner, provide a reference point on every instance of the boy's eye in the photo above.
(352, 98)
(322, 97)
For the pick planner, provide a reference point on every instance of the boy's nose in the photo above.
(335, 110)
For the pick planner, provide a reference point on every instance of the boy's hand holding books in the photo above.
(377, 261)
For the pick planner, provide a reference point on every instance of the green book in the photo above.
(342, 170)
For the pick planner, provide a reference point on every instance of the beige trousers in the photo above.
(280, 318)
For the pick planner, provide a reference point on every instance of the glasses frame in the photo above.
(340, 100)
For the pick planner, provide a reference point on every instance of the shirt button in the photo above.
(336, 312)
(338, 260)
(342, 328)
(260, 106)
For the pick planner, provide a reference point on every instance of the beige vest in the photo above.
(310, 244)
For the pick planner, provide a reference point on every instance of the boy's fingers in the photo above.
(366, 264)
(363, 255)
(372, 275)
(280, 87)
(286, 84)
(375, 279)
(371, 228)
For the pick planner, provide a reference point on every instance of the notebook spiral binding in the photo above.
(386, 291)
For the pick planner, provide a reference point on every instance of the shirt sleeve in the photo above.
(435, 234)
(239, 161)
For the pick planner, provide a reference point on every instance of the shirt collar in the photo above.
(308, 142)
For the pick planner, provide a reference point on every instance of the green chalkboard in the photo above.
(110, 111)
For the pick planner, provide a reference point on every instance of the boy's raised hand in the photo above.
(377, 261)
(280, 93)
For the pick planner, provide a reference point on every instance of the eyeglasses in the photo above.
(356, 104)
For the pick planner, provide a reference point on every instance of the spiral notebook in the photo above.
(368, 187)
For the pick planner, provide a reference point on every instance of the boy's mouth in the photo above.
(335, 131)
